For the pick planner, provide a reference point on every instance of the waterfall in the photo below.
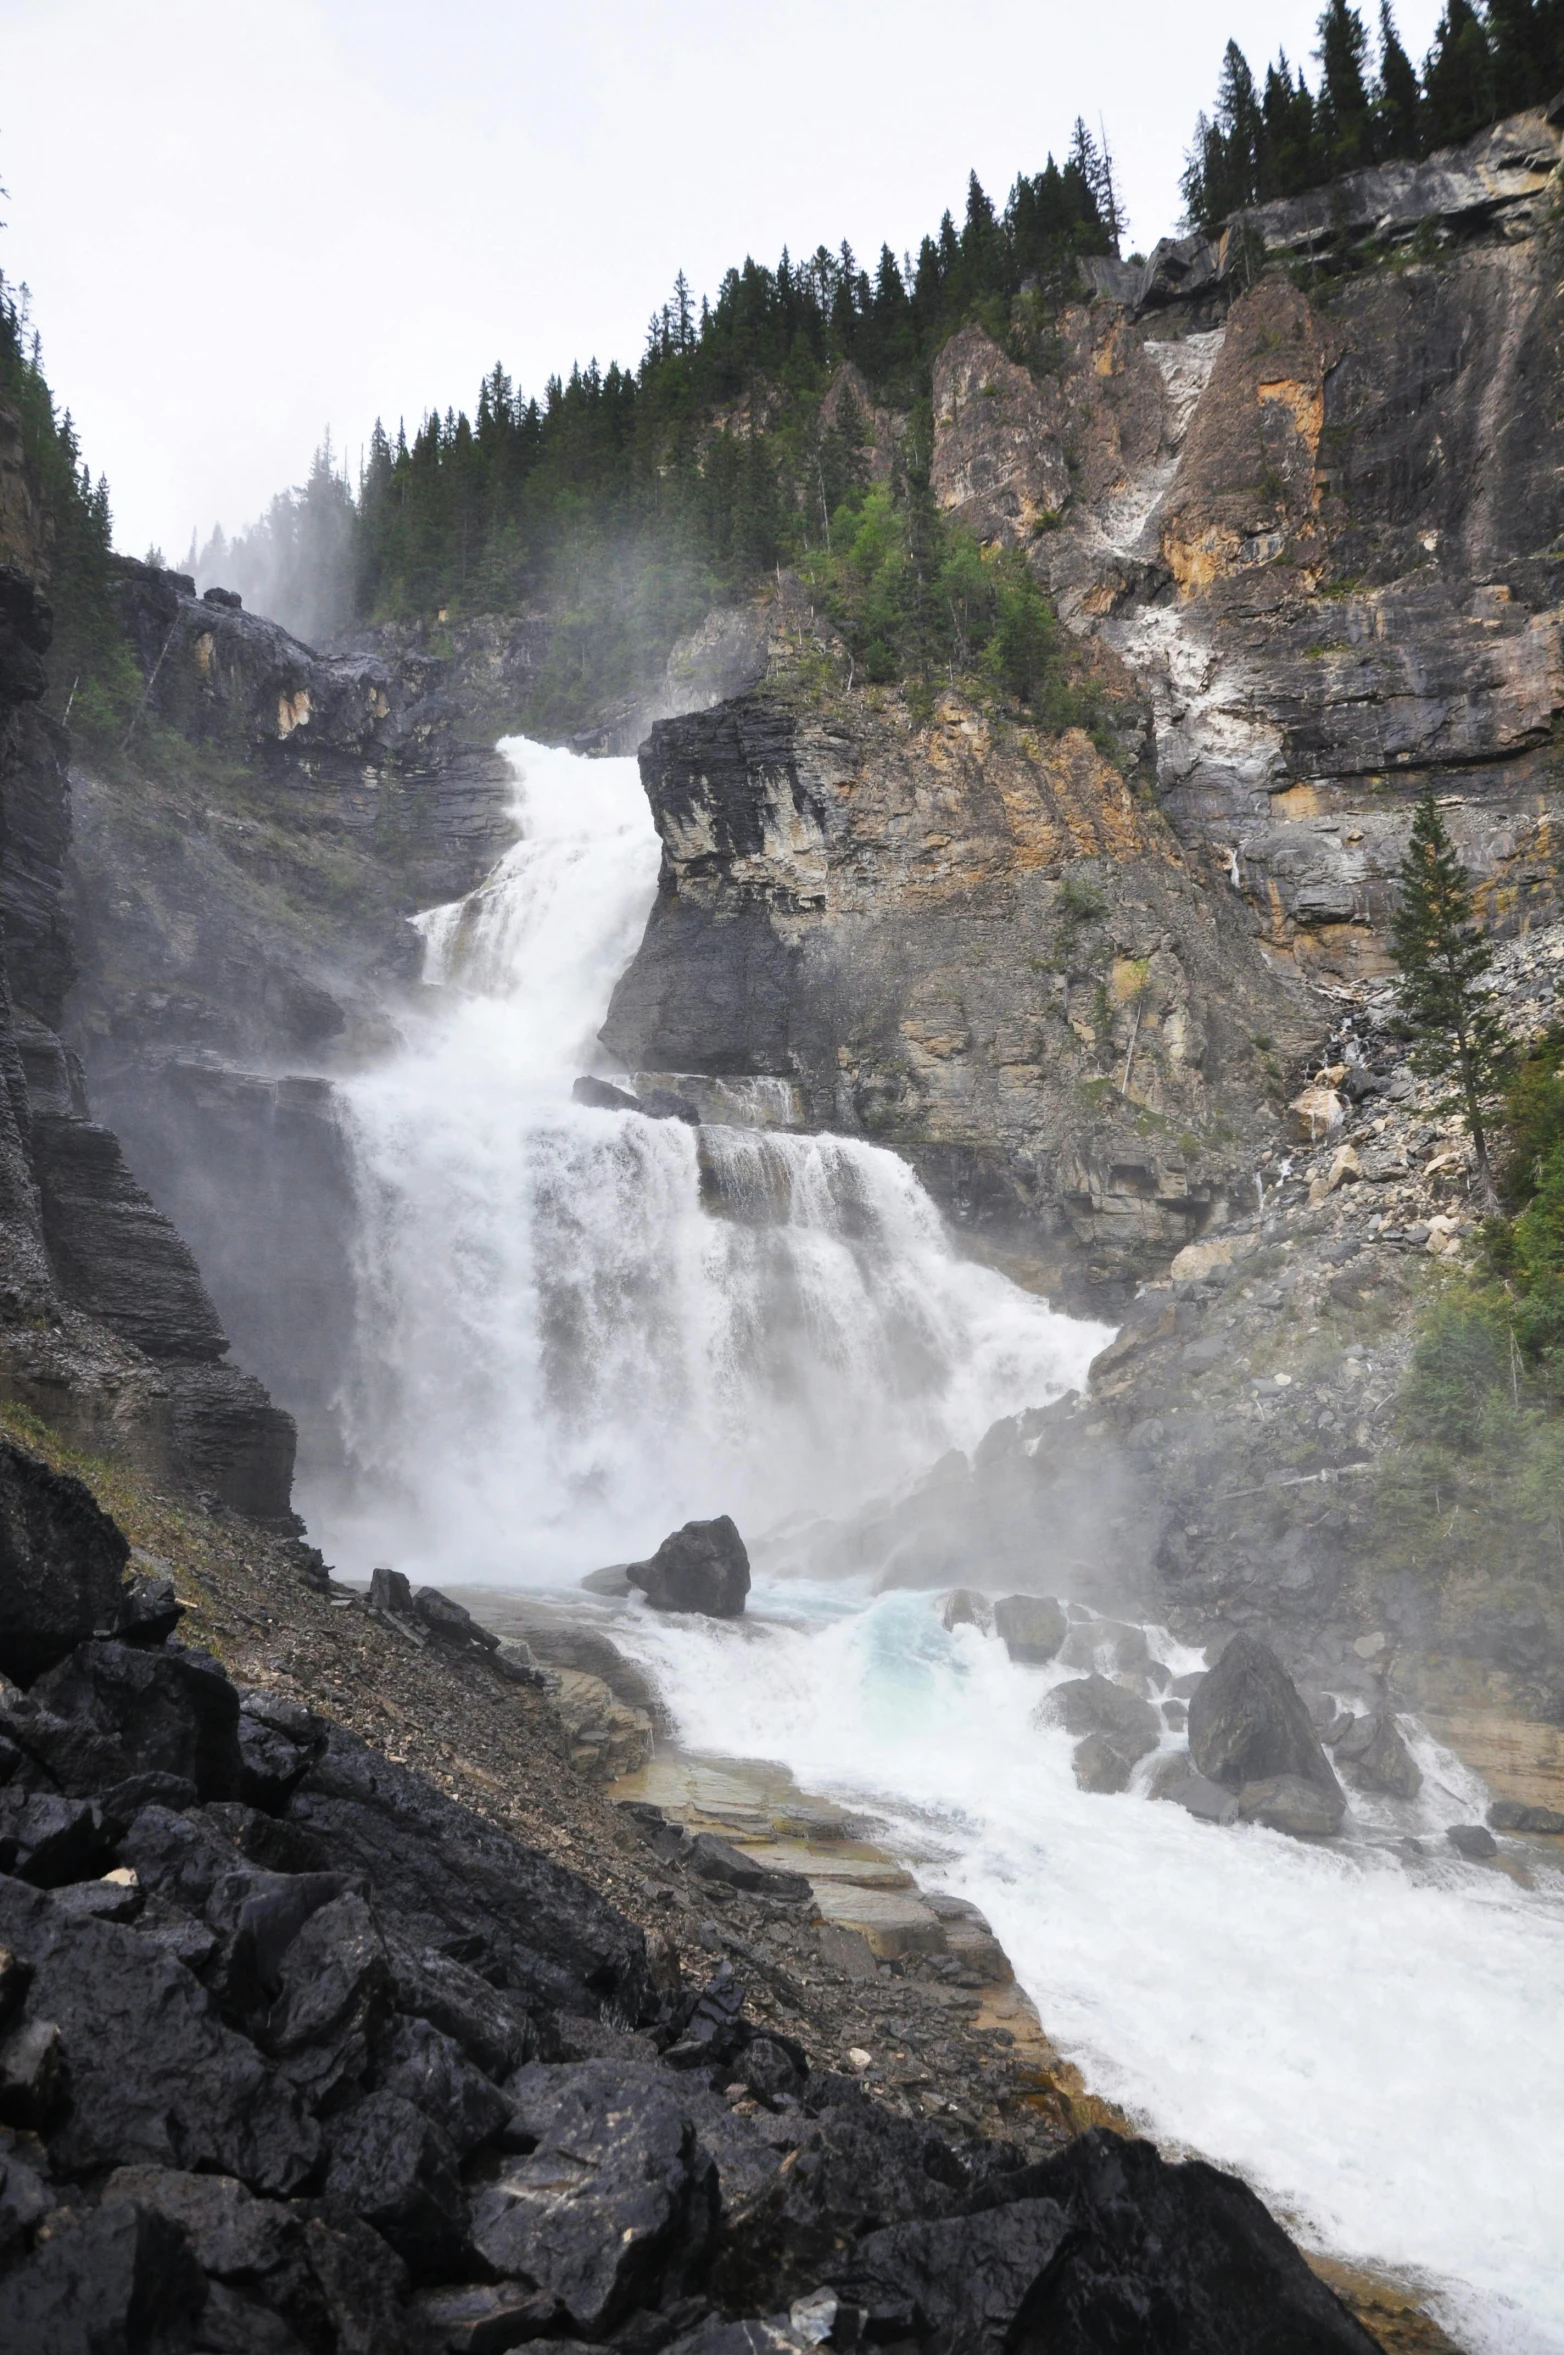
(578, 1328)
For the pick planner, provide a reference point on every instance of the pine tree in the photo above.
(1444, 958)
(1398, 96)
(1345, 124)
(1288, 108)
(1458, 77)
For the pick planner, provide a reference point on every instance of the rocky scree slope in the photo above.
(105, 1325)
(295, 2052)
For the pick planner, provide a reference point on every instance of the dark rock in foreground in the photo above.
(702, 1567)
(300, 2057)
(1248, 1724)
(62, 1564)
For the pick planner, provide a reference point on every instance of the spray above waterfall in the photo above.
(577, 1327)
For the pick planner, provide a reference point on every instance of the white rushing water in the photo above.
(562, 1352)
(1376, 2042)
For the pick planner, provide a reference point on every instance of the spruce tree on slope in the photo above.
(1436, 939)
(1458, 77)
(1398, 96)
(1342, 115)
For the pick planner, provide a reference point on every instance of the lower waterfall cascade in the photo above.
(578, 1328)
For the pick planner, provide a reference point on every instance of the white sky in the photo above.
(245, 220)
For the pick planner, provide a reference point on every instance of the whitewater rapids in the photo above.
(562, 1353)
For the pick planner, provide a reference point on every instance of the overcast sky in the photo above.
(243, 221)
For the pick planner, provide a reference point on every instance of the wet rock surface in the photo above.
(701, 1567)
(1248, 1723)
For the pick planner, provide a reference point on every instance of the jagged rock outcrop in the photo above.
(969, 941)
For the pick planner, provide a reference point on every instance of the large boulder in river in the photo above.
(701, 1567)
(1376, 1758)
(1031, 1627)
(1117, 1726)
(62, 1563)
(1248, 1724)
(1286, 1803)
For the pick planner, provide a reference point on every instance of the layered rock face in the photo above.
(973, 942)
(105, 1324)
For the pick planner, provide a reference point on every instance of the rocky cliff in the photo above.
(969, 940)
(1310, 520)
(105, 1325)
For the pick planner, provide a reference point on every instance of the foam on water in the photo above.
(562, 1351)
(1376, 2043)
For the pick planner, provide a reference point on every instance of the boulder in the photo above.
(482, 2318)
(390, 1590)
(124, 2278)
(430, 2070)
(1376, 1758)
(394, 2167)
(131, 1711)
(1117, 1726)
(1473, 1841)
(150, 1610)
(448, 1883)
(702, 1567)
(1288, 1803)
(1112, 1645)
(1031, 1627)
(1248, 1724)
(1094, 1705)
(613, 2198)
(1164, 2256)
(967, 2279)
(450, 1623)
(1514, 1815)
(718, 1860)
(1102, 1764)
(1205, 1800)
(600, 1095)
(965, 1607)
(62, 1564)
(155, 2077)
